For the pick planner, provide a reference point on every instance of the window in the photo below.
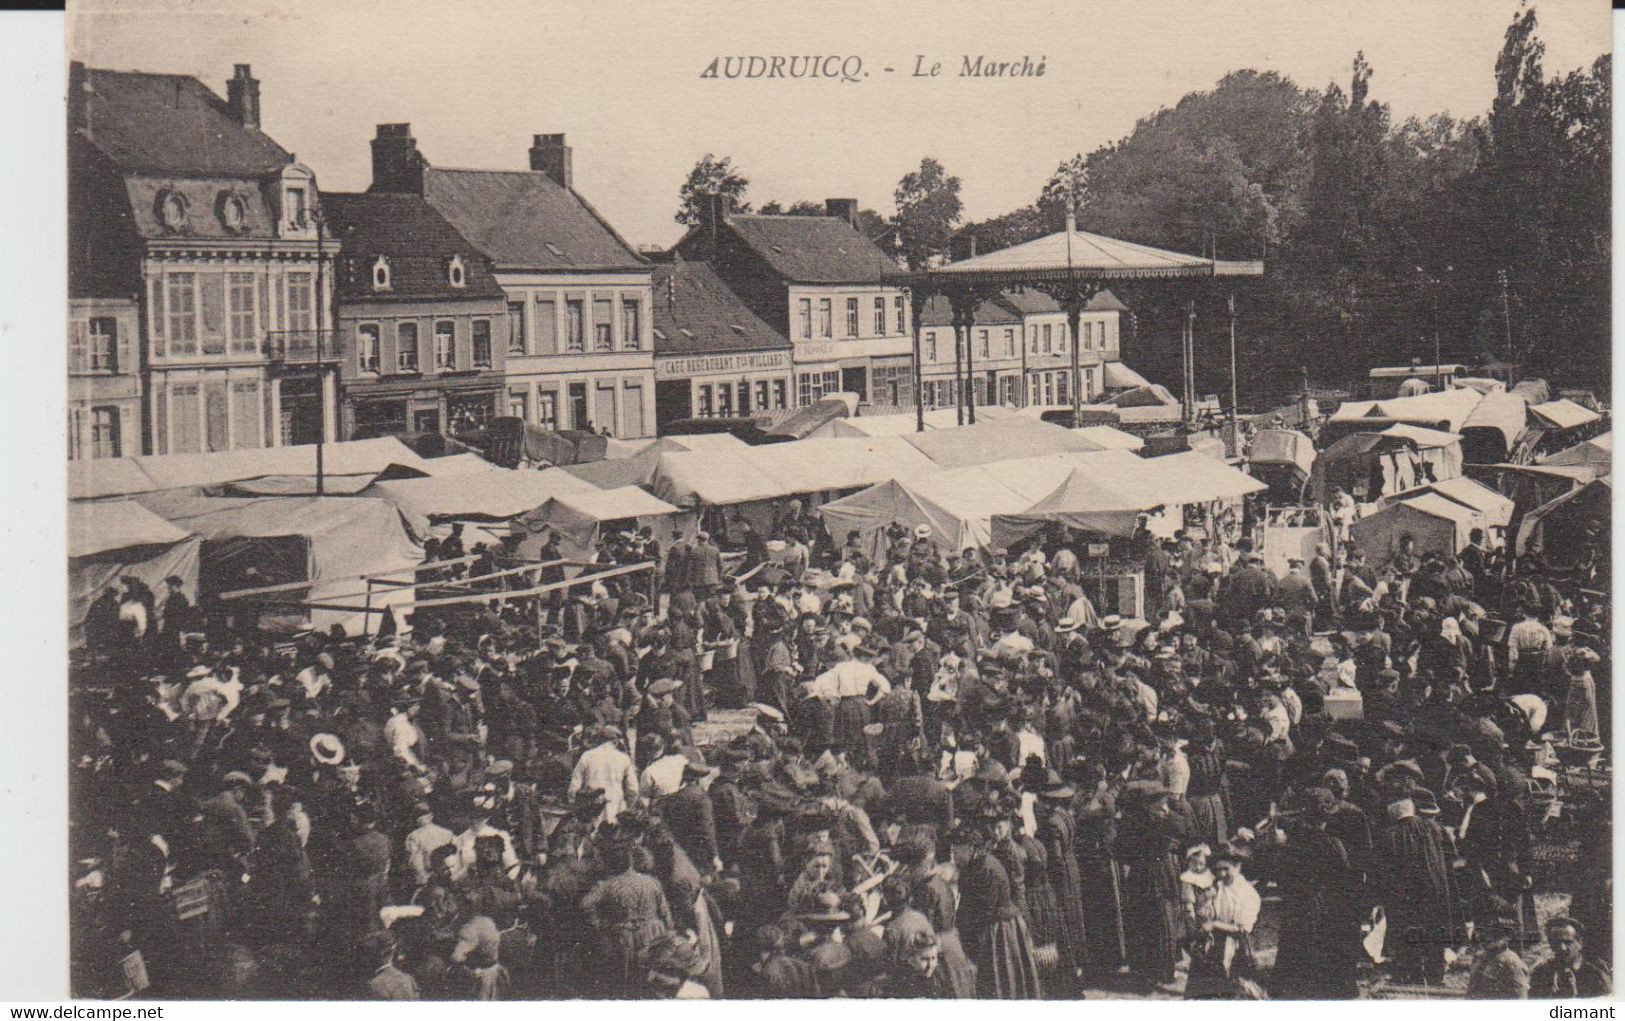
(455, 274)
(445, 344)
(826, 322)
(931, 345)
(725, 400)
(575, 326)
(806, 318)
(468, 414)
(547, 409)
(232, 212)
(245, 414)
(180, 290)
(366, 347)
(1049, 388)
(380, 274)
(880, 317)
(300, 301)
(704, 402)
(173, 211)
(631, 330)
(406, 347)
(804, 390)
(517, 404)
(482, 343)
(982, 344)
(104, 432)
(217, 428)
(1049, 339)
(897, 307)
(1088, 336)
(294, 205)
(603, 324)
(1032, 342)
(211, 296)
(1007, 389)
(516, 328)
(240, 311)
(547, 326)
(1062, 381)
(781, 394)
(851, 317)
(104, 344)
(1009, 343)
(761, 395)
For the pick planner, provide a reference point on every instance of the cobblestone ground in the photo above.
(722, 725)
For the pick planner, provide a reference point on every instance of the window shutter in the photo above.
(79, 354)
(128, 443)
(156, 318)
(76, 432)
(126, 348)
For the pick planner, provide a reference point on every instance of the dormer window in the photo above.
(172, 209)
(380, 274)
(455, 272)
(296, 205)
(298, 196)
(233, 212)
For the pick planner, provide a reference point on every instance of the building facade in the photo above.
(104, 380)
(818, 281)
(423, 317)
(580, 346)
(714, 357)
(181, 205)
(1048, 368)
(994, 363)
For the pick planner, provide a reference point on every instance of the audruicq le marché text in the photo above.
(851, 68)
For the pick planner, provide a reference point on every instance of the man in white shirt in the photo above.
(402, 734)
(609, 769)
(422, 842)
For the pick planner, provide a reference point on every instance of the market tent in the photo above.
(491, 495)
(825, 465)
(578, 517)
(326, 541)
(959, 504)
(107, 476)
(1439, 450)
(356, 457)
(1282, 447)
(714, 478)
(1565, 528)
(1483, 384)
(615, 472)
(108, 540)
(1494, 509)
(1564, 414)
(1490, 434)
(1106, 437)
(1434, 524)
(299, 485)
(906, 424)
(810, 419)
(1110, 498)
(1117, 376)
(1596, 453)
(1450, 408)
(983, 442)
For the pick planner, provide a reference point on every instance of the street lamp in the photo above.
(312, 218)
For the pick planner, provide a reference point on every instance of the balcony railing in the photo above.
(302, 346)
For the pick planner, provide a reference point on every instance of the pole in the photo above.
(959, 374)
(321, 380)
(1506, 322)
(1235, 406)
(919, 384)
(970, 370)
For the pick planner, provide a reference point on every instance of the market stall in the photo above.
(109, 540)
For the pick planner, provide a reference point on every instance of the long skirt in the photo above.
(1005, 966)
(624, 946)
(1212, 824)
(1102, 895)
(851, 716)
(1153, 923)
(709, 945)
(1215, 962)
(957, 964)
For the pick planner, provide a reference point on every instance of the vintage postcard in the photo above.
(843, 500)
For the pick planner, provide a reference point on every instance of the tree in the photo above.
(1067, 188)
(712, 176)
(928, 210)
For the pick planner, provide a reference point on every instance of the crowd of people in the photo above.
(948, 774)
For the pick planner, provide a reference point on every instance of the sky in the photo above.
(623, 80)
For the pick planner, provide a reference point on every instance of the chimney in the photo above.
(397, 166)
(962, 247)
(243, 96)
(843, 209)
(551, 156)
(712, 211)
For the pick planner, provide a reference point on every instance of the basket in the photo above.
(708, 659)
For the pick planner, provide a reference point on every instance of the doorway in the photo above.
(856, 381)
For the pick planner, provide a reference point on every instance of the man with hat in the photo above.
(1322, 895)
(606, 767)
(1410, 876)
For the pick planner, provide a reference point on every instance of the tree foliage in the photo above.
(928, 211)
(712, 176)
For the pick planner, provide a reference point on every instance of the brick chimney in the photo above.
(843, 209)
(243, 96)
(962, 247)
(551, 156)
(397, 166)
(713, 208)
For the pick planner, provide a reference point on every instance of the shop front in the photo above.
(390, 409)
(732, 385)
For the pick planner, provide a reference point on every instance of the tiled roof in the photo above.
(813, 249)
(938, 312)
(1105, 301)
(1031, 301)
(205, 199)
(173, 124)
(524, 220)
(418, 241)
(695, 312)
